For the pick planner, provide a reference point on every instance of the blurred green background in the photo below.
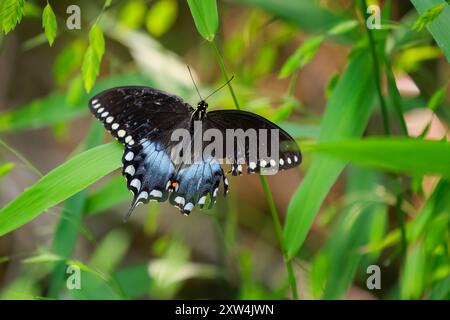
(368, 107)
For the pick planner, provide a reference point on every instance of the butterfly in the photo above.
(144, 120)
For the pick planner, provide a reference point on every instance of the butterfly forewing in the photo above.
(134, 113)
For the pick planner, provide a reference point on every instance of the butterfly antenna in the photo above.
(226, 83)
(193, 81)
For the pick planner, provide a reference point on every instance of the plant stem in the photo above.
(266, 189)
(292, 83)
(273, 209)
(376, 67)
(401, 222)
(291, 277)
(21, 157)
(401, 218)
(224, 73)
(279, 231)
(396, 97)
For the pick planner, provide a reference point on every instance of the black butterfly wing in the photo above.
(288, 154)
(135, 112)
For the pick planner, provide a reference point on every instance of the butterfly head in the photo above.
(202, 106)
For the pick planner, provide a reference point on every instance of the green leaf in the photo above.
(318, 275)
(42, 258)
(306, 15)
(23, 287)
(130, 282)
(35, 41)
(11, 12)
(395, 97)
(352, 231)
(110, 251)
(70, 222)
(308, 49)
(410, 59)
(304, 54)
(6, 168)
(331, 85)
(437, 98)
(75, 91)
(108, 195)
(32, 10)
(205, 16)
(93, 57)
(441, 291)
(400, 155)
(90, 68)
(135, 280)
(437, 204)
(68, 61)
(96, 284)
(132, 14)
(161, 17)
(343, 27)
(284, 111)
(414, 271)
(428, 16)
(59, 184)
(346, 115)
(49, 23)
(97, 41)
(440, 26)
(64, 240)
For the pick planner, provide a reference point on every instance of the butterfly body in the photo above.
(200, 113)
(145, 119)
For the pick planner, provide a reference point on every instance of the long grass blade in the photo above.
(59, 184)
(346, 115)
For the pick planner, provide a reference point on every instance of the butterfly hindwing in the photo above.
(150, 175)
(196, 182)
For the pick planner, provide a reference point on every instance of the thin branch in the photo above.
(377, 72)
(266, 189)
